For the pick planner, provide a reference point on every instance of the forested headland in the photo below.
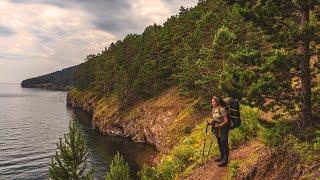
(59, 80)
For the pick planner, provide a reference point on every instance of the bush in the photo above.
(316, 144)
(249, 127)
(167, 169)
(183, 155)
(303, 149)
(147, 173)
(119, 169)
(233, 166)
(274, 136)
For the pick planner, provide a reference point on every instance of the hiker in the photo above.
(221, 128)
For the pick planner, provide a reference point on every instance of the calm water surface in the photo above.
(31, 123)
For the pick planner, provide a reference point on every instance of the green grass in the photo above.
(233, 166)
(274, 136)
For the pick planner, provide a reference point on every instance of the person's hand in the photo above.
(208, 123)
(217, 125)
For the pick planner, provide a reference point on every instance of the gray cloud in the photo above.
(114, 16)
(6, 31)
(109, 15)
(60, 33)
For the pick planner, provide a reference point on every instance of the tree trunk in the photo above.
(305, 77)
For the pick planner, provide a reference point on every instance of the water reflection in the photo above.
(31, 123)
(102, 148)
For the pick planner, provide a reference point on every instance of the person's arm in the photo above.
(211, 123)
(224, 115)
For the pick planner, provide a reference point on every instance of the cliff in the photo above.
(160, 121)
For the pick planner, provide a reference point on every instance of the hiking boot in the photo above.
(223, 164)
(224, 161)
(218, 159)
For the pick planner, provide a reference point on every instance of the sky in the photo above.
(42, 36)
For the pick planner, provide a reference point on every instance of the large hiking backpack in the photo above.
(233, 108)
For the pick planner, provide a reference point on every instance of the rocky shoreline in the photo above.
(151, 122)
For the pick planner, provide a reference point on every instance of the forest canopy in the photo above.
(257, 52)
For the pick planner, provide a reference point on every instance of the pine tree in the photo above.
(119, 169)
(292, 29)
(70, 163)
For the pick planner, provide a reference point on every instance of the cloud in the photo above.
(5, 31)
(51, 32)
(61, 33)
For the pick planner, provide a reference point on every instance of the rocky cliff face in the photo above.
(160, 121)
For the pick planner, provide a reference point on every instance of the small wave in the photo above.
(12, 95)
(25, 160)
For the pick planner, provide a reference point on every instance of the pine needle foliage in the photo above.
(70, 161)
(119, 169)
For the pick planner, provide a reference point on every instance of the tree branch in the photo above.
(280, 22)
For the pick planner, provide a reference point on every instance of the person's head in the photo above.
(216, 101)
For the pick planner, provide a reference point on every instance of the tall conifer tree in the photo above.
(292, 28)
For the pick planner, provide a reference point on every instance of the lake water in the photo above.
(33, 120)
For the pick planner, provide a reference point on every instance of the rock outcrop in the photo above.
(160, 121)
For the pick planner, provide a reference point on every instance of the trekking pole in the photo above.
(209, 148)
(204, 143)
(210, 144)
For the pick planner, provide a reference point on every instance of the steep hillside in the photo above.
(176, 128)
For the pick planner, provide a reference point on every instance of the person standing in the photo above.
(221, 128)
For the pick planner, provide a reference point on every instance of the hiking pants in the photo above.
(222, 138)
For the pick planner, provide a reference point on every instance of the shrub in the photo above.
(181, 157)
(119, 169)
(233, 166)
(249, 126)
(274, 136)
(147, 173)
(167, 169)
(316, 144)
(184, 156)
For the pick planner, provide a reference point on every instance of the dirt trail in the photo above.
(212, 171)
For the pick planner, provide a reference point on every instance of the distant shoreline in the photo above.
(48, 87)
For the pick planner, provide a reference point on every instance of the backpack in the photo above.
(233, 109)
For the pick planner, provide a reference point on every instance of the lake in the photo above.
(33, 120)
